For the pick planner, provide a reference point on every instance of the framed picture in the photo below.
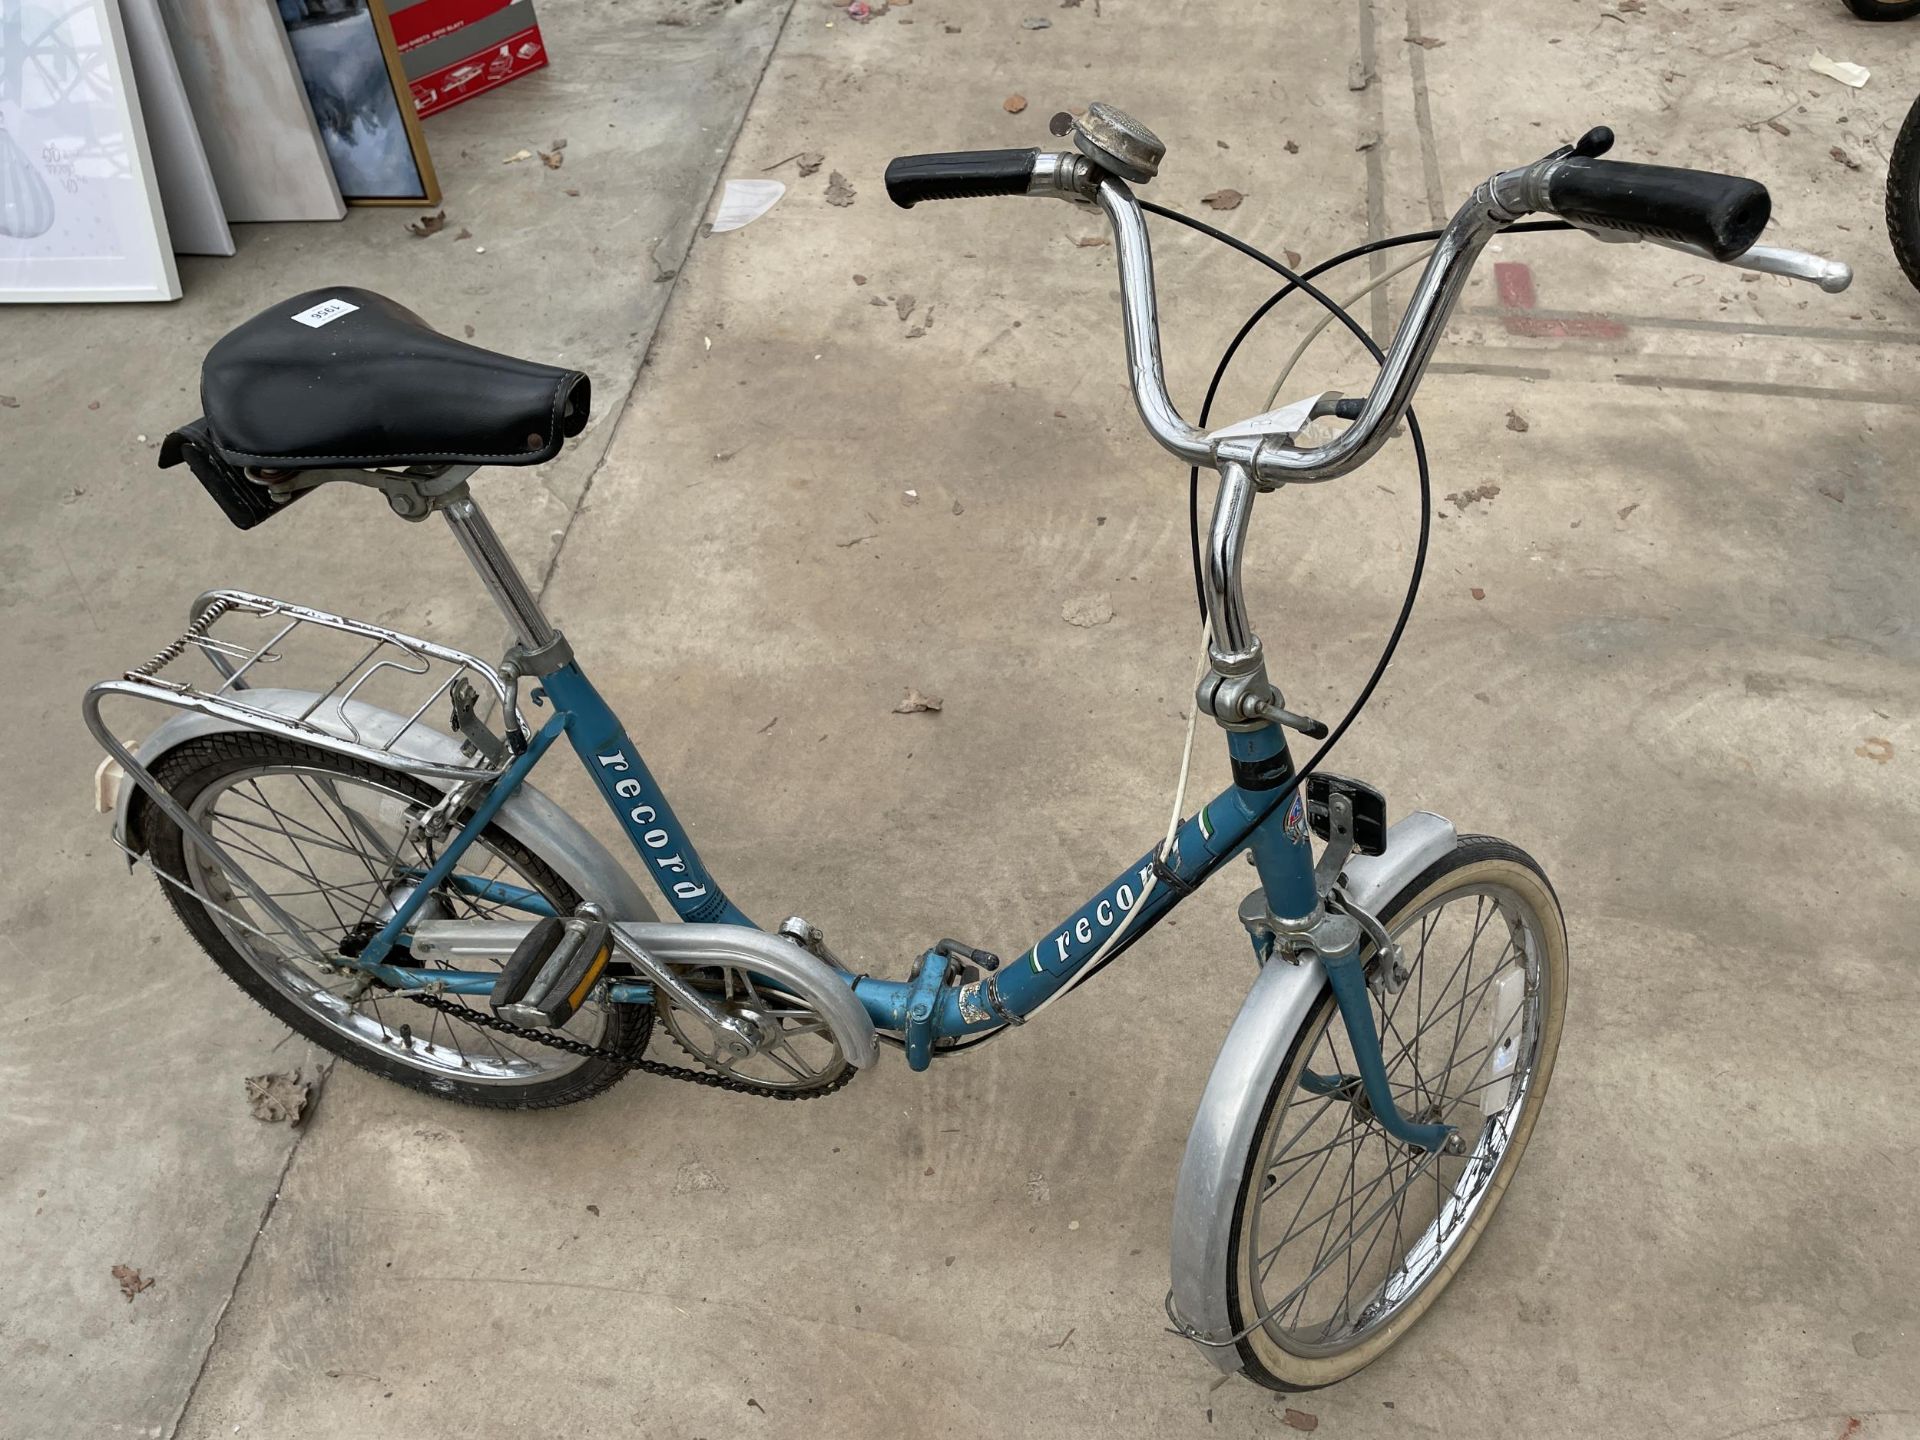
(361, 100)
(80, 215)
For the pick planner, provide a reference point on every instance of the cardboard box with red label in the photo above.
(453, 50)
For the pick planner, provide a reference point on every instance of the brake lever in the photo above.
(1832, 276)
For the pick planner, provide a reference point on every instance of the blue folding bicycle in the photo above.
(403, 896)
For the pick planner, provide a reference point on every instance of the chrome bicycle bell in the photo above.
(1115, 141)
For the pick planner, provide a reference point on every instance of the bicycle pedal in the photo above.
(552, 970)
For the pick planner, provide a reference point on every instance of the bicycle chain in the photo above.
(552, 1040)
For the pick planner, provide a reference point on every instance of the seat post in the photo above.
(489, 558)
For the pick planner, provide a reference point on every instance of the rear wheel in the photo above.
(332, 841)
(1342, 1237)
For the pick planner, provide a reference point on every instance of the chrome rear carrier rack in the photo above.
(368, 702)
(388, 676)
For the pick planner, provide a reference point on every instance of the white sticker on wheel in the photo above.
(323, 312)
(1504, 1039)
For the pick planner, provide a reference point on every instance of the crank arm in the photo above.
(742, 1039)
(661, 951)
(455, 942)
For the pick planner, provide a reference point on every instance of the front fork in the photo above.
(1297, 914)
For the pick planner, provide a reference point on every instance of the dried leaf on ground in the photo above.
(1517, 422)
(1476, 592)
(1631, 7)
(839, 190)
(915, 703)
(12, 402)
(1013, 104)
(1292, 257)
(571, 191)
(132, 1282)
(1833, 493)
(427, 225)
(1300, 1419)
(517, 156)
(903, 307)
(1876, 749)
(1223, 200)
(1463, 498)
(282, 1095)
(1778, 128)
(1087, 611)
(810, 161)
(465, 234)
(1844, 158)
(1358, 76)
(1425, 42)
(1036, 22)
(1086, 241)
(1292, 147)
(553, 159)
(1628, 509)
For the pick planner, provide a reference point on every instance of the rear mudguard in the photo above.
(528, 815)
(1282, 998)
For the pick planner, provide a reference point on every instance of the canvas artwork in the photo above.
(80, 215)
(251, 110)
(347, 59)
(196, 219)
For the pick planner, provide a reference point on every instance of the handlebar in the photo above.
(1718, 217)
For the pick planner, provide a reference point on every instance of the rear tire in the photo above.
(1527, 980)
(335, 843)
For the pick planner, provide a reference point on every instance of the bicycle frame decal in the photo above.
(635, 797)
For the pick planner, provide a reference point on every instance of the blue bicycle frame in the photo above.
(928, 1011)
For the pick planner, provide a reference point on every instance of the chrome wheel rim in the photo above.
(333, 850)
(1349, 1226)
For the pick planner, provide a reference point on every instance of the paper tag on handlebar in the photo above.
(1279, 424)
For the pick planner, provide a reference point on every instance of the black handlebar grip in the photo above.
(1723, 214)
(959, 175)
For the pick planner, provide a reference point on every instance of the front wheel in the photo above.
(1342, 1237)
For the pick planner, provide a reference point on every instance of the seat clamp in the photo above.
(539, 662)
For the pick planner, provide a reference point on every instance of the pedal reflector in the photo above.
(552, 971)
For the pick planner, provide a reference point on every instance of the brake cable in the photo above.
(1303, 282)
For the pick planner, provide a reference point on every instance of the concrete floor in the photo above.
(1698, 610)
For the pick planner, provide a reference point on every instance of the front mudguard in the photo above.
(1211, 1172)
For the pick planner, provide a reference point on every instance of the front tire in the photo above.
(1309, 1281)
